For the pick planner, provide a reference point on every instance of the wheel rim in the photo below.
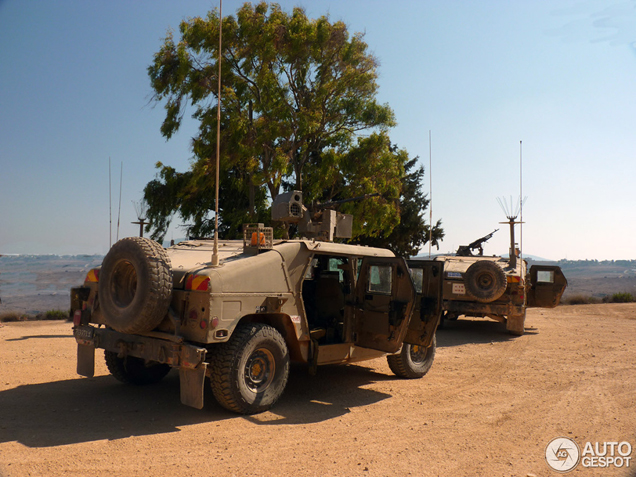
(124, 283)
(485, 281)
(259, 370)
(418, 353)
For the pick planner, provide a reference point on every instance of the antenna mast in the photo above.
(110, 208)
(121, 178)
(430, 209)
(141, 208)
(215, 252)
(521, 202)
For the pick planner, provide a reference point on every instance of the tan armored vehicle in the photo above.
(496, 287)
(267, 303)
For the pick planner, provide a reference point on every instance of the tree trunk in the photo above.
(252, 207)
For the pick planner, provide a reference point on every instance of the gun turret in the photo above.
(467, 250)
(320, 221)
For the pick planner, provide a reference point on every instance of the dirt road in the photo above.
(489, 406)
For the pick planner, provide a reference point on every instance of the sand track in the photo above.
(489, 406)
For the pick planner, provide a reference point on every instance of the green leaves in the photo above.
(298, 110)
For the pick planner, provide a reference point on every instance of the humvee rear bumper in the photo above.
(154, 347)
(471, 308)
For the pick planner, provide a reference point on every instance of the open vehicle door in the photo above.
(384, 303)
(427, 278)
(547, 284)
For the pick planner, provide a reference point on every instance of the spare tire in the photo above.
(485, 281)
(135, 284)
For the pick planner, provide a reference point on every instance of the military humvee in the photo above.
(267, 303)
(496, 287)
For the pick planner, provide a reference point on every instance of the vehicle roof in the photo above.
(193, 254)
(453, 263)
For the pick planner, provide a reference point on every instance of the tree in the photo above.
(298, 111)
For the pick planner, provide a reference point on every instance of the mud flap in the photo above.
(86, 360)
(515, 324)
(191, 382)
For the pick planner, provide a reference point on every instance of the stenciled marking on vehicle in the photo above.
(459, 289)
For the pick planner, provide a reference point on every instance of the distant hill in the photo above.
(599, 278)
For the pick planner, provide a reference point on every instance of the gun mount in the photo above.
(467, 250)
(319, 221)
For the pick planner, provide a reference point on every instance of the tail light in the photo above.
(198, 283)
(92, 276)
(77, 318)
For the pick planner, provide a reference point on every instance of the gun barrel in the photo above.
(485, 238)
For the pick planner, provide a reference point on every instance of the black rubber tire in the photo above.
(131, 370)
(249, 372)
(412, 361)
(485, 281)
(135, 285)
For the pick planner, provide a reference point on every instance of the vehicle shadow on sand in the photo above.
(466, 331)
(331, 393)
(91, 409)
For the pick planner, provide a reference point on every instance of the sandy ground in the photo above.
(489, 406)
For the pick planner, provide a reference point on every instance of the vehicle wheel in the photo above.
(515, 324)
(412, 361)
(135, 284)
(249, 372)
(131, 370)
(485, 281)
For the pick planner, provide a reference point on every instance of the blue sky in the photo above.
(482, 76)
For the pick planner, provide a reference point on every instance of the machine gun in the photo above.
(467, 250)
(320, 221)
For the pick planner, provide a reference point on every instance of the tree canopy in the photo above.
(298, 111)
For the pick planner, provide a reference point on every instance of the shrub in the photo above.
(13, 316)
(55, 315)
(622, 298)
(581, 300)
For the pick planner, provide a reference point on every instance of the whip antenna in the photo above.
(430, 210)
(110, 208)
(121, 178)
(215, 252)
(521, 201)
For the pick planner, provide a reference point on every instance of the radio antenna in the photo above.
(430, 204)
(521, 202)
(512, 210)
(121, 178)
(215, 252)
(110, 208)
(141, 208)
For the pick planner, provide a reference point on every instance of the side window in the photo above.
(309, 274)
(545, 276)
(379, 279)
(417, 275)
(334, 266)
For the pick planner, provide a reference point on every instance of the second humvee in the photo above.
(495, 287)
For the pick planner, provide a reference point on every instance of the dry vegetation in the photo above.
(13, 316)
